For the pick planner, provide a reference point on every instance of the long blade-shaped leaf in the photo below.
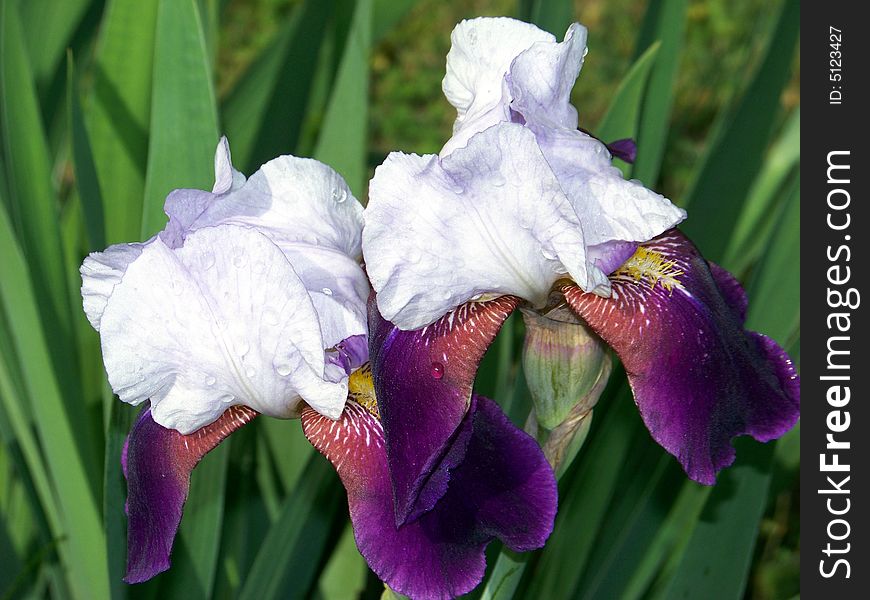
(668, 27)
(83, 545)
(550, 15)
(49, 25)
(623, 116)
(119, 111)
(83, 164)
(755, 223)
(28, 167)
(342, 141)
(263, 116)
(184, 130)
(35, 205)
(735, 156)
(285, 563)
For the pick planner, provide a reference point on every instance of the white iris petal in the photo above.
(445, 231)
(238, 300)
(561, 207)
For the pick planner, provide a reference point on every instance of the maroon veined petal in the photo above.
(423, 381)
(503, 488)
(699, 379)
(157, 463)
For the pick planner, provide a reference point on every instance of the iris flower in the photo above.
(522, 206)
(253, 300)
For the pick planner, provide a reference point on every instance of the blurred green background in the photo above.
(107, 105)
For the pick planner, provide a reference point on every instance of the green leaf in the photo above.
(87, 184)
(28, 166)
(184, 129)
(550, 15)
(34, 203)
(774, 293)
(666, 21)
(342, 141)
(623, 116)
(344, 576)
(121, 417)
(756, 220)
(264, 114)
(716, 561)
(298, 538)
(586, 495)
(83, 545)
(672, 536)
(48, 26)
(119, 112)
(735, 155)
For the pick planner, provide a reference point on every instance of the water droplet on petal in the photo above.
(227, 398)
(243, 349)
(327, 291)
(283, 370)
(210, 381)
(548, 254)
(339, 195)
(239, 259)
(437, 370)
(250, 372)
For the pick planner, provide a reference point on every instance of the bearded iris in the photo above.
(253, 300)
(520, 204)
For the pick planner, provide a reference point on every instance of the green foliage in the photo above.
(91, 143)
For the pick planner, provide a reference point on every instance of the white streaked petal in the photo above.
(101, 272)
(222, 320)
(339, 289)
(480, 55)
(226, 177)
(541, 78)
(489, 218)
(611, 207)
(294, 201)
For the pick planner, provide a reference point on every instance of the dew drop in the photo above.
(239, 256)
(283, 370)
(210, 381)
(548, 254)
(437, 370)
(250, 372)
(243, 349)
(327, 291)
(227, 398)
(339, 195)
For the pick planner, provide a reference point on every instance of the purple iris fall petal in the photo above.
(423, 380)
(157, 463)
(699, 379)
(503, 488)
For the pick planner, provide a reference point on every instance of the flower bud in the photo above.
(564, 363)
